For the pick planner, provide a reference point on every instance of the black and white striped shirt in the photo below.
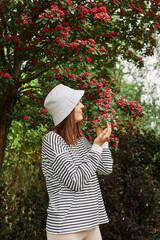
(75, 200)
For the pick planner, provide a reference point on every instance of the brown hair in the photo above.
(69, 130)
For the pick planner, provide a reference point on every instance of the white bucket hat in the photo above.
(61, 101)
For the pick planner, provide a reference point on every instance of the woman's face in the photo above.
(78, 113)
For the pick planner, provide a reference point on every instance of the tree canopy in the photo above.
(44, 43)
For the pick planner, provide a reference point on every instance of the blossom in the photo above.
(105, 17)
(56, 69)
(91, 41)
(90, 139)
(44, 111)
(6, 75)
(69, 3)
(88, 60)
(84, 10)
(83, 86)
(99, 85)
(79, 57)
(47, 29)
(25, 21)
(86, 74)
(93, 10)
(58, 27)
(58, 76)
(79, 78)
(84, 43)
(158, 24)
(67, 29)
(57, 39)
(7, 37)
(71, 75)
(102, 9)
(90, 130)
(140, 9)
(62, 44)
(91, 50)
(102, 49)
(64, 34)
(15, 39)
(41, 15)
(25, 118)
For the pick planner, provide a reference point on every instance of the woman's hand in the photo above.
(102, 135)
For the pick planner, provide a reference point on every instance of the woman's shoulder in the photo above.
(85, 141)
(53, 137)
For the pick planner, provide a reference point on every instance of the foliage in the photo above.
(130, 192)
(38, 36)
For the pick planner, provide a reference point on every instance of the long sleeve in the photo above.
(105, 164)
(55, 155)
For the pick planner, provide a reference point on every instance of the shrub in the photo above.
(129, 193)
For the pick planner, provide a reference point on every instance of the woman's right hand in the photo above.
(103, 136)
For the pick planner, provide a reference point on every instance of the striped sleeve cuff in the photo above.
(105, 145)
(97, 148)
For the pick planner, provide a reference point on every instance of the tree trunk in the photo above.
(7, 104)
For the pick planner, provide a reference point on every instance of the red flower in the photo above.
(86, 74)
(93, 10)
(7, 37)
(88, 60)
(79, 57)
(90, 130)
(69, 3)
(58, 76)
(115, 145)
(6, 75)
(25, 21)
(62, 44)
(79, 78)
(91, 50)
(58, 27)
(57, 39)
(102, 49)
(158, 24)
(44, 111)
(99, 85)
(71, 75)
(25, 118)
(83, 43)
(90, 139)
(41, 15)
(67, 29)
(91, 41)
(140, 9)
(15, 39)
(56, 69)
(83, 86)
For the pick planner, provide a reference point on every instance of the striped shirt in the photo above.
(75, 199)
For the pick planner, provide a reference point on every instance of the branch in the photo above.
(35, 76)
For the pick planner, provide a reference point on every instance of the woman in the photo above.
(70, 165)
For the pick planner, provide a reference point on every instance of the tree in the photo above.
(37, 36)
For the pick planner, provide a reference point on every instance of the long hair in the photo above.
(69, 130)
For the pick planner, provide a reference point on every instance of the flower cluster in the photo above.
(131, 108)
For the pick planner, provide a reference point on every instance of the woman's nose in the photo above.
(82, 106)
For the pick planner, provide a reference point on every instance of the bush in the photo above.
(23, 213)
(130, 193)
